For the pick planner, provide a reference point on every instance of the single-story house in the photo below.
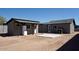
(22, 26)
(58, 26)
(25, 27)
(77, 28)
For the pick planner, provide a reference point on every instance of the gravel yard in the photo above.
(33, 43)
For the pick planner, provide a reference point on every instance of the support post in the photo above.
(36, 29)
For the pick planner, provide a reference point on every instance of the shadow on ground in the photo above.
(6, 35)
(71, 45)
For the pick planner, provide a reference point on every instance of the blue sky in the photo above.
(41, 14)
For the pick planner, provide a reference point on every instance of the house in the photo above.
(25, 27)
(22, 26)
(77, 28)
(58, 26)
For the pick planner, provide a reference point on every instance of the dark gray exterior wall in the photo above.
(11, 28)
(67, 28)
(43, 28)
(17, 29)
(64, 26)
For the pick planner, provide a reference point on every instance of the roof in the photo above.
(23, 21)
(60, 21)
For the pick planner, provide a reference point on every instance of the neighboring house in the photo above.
(77, 28)
(3, 29)
(22, 26)
(58, 26)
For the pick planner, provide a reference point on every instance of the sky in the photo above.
(41, 14)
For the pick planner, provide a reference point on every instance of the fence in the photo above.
(3, 29)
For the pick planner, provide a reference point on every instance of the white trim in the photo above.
(36, 29)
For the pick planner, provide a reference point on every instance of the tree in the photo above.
(2, 20)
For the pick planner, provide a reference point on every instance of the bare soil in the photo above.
(33, 43)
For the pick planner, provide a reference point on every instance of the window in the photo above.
(28, 26)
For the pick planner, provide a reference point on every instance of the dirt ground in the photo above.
(33, 43)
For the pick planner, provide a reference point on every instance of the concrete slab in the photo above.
(49, 35)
